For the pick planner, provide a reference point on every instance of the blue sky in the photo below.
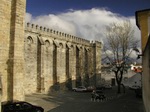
(84, 18)
(123, 7)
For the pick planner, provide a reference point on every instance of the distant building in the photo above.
(107, 76)
(131, 77)
(136, 68)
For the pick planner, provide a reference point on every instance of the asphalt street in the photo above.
(81, 102)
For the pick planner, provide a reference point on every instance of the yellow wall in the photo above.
(142, 22)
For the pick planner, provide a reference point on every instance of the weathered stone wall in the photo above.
(12, 14)
(36, 59)
(58, 61)
(5, 17)
(31, 62)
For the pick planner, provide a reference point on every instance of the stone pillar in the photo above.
(55, 48)
(86, 61)
(73, 65)
(44, 53)
(68, 67)
(40, 75)
(86, 68)
(48, 66)
(82, 62)
(91, 67)
(78, 66)
(16, 51)
(61, 66)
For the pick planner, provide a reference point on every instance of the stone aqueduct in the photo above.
(37, 59)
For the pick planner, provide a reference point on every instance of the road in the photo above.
(81, 102)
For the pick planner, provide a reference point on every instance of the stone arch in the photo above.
(78, 47)
(29, 40)
(40, 40)
(29, 43)
(87, 49)
(68, 45)
(47, 43)
(61, 45)
(72, 46)
(55, 43)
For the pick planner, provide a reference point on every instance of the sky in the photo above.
(84, 18)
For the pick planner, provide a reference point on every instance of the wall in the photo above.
(11, 48)
(55, 61)
(142, 19)
(146, 77)
(37, 59)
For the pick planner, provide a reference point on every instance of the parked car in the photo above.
(134, 87)
(90, 88)
(80, 89)
(20, 106)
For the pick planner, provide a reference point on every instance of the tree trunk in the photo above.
(118, 82)
(119, 89)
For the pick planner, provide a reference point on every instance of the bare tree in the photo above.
(118, 47)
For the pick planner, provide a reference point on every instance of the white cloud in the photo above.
(88, 24)
(28, 17)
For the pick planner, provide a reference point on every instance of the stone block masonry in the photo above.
(12, 13)
(38, 59)
(55, 61)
